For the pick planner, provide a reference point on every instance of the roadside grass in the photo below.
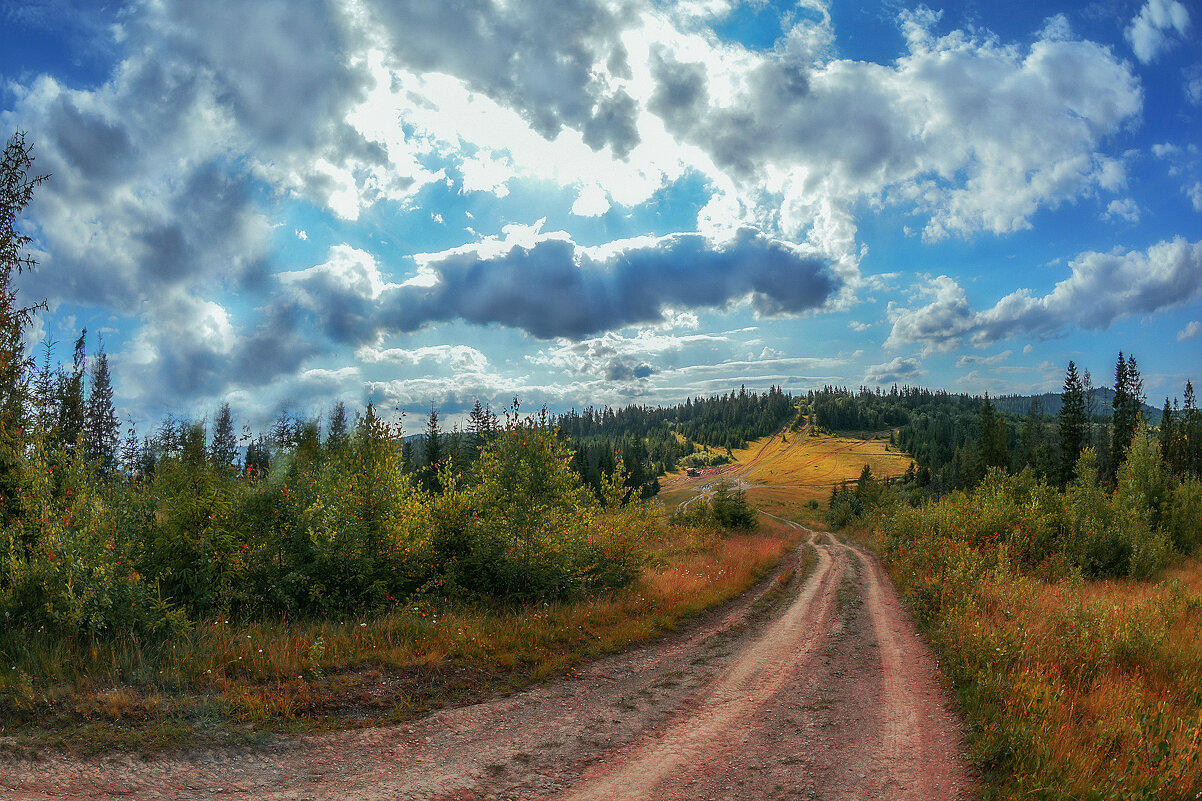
(227, 682)
(1072, 689)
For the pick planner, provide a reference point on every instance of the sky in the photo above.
(285, 203)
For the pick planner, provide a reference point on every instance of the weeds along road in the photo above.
(813, 685)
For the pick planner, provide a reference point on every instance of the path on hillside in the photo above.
(737, 477)
(821, 689)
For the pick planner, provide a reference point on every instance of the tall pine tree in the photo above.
(1071, 423)
(339, 432)
(1128, 401)
(101, 426)
(432, 451)
(16, 190)
(71, 407)
(225, 441)
(1191, 428)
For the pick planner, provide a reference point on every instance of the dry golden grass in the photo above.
(1100, 681)
(786, 472)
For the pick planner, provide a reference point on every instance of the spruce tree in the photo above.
(71, 409)
(1034, 439)
(1168, 433)
(477, 425)
(44, 394)
(258, 456)
(339, 432)
(131, 453)
(101, 426)
(283, 432)
(16, 191)
(992, 444)
(148, 460)
(432, 452)
(1071, 423)
(1191, 428)
(225, 441)
(1128, 400)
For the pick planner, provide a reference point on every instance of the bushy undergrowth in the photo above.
(725, 508)
(334, 528)
(1079, 676)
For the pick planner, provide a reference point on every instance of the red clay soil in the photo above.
(814, 686)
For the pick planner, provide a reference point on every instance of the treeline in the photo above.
(652, 441)
(955, 439)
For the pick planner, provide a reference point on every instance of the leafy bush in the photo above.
(329, 529)
(725, 508)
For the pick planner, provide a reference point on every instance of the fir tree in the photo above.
(148, 461)
(16, 191)
(101, 426)
(131, 452)
(477, 425)
(1034, 439)
(432, 453)
(993, 438)
(169, 436)
(1191, 428)
(1168, 434)
(71, 409)
(339, 432)
(1128, 400)
(44, 394)
(225, 442)
(1071, 423)
(258, 456)
(283, 432)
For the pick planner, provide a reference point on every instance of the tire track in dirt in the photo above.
(730, 701)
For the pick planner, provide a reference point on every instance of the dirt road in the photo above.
(813, 686)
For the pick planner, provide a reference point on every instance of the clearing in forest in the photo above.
(784, 472)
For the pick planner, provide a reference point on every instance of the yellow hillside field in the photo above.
(783, 473)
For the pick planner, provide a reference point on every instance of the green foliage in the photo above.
(68, 564)
(327, 530)
(725, 508)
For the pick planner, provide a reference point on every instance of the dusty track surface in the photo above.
(815, 685)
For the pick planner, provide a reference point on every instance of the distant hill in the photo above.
(1103, 401)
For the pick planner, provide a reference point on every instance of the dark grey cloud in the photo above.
(190, 362)
(557, 289)
(539, 58)
(626, 370)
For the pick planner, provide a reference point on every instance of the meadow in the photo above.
(791, 474)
